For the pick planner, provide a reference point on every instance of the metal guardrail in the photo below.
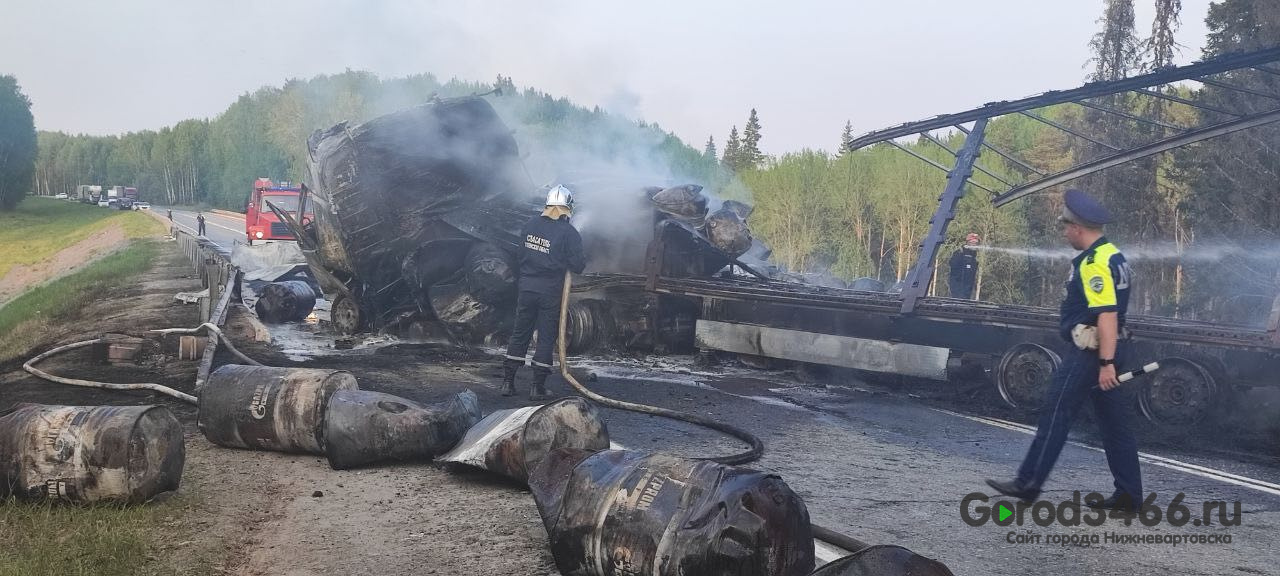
(221, 277)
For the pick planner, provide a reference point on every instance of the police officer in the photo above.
(964, 269)
(199, 224)
(551, 246)
(1093, 318)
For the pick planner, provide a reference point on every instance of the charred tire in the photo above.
(1024, 375)
(1179, 394)
(345, 315)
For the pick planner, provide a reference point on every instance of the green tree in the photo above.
(709, 151)
(751, 155)
(846, 138)
(732, 158)
(18, 148)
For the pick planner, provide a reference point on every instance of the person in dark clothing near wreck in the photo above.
(964, 269)
(551, 246)
(199, 224)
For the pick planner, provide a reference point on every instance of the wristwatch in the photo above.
(1106, 361)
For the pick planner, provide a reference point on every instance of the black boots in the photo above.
(509, 377)
(1015, 489)
(539, 389)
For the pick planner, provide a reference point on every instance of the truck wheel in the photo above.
(344, 313)
(1179, 394)
(1024, 375)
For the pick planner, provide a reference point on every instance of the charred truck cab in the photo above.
(260, 222)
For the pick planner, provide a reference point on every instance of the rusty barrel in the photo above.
(513, 442)
(89, 453)
(286, 301)
(620, 512)
(265, 408)
(362, 427)
(884, 560)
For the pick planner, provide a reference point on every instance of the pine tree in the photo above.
(1115, 47)
(710, 150)
(751, 156)
(1161, 46)
(846, 138)
(732, 158)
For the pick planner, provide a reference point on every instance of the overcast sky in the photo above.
(693, 67)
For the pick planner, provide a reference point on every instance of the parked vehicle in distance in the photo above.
(141, 206)
(62, 196)
(104, 202)
(124, 203)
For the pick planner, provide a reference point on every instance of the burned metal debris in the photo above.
(83, 454)
(619, 512)
(884, 560)
(362, 427)
(287, 301)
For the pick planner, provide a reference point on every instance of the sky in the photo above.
(695, 68)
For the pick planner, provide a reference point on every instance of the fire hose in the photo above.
(751, 455)
(30, 365)
(757, 447)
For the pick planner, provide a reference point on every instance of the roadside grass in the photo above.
(39, 227)
(53, 539)
(28, 320)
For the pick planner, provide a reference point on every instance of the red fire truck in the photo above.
(260, 223)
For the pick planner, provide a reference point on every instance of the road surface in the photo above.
(221, 228)
(890, 467)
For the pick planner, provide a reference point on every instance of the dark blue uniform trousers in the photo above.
(535, 312)
(1074, 381)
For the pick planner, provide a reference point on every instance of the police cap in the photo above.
(1079, 208)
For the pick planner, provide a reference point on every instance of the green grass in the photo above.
(40, 227)
(40, 539)
(26, 321)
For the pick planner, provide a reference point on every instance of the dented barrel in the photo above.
(265, 408)
(83, 454)
(621, 512)
(514, 442)
(362, 427)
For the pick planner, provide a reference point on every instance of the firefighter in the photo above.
(1093, 323)
(964, 269)
(551, 246)
(199, 224)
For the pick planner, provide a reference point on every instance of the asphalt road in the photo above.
(889, 468)
(222, 229)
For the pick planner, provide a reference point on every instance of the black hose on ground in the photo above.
(751, 455)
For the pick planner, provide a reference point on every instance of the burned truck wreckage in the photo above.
(417, 227)
(418, 216)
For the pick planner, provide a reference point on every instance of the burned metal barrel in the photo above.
(728, 231)
(684, 203)
(468, 319)
(89, 453)
(514, 442)
(362, 427)
(287, 301)
(620, 512)
(264, 408)
(884, 561)
(491, 274)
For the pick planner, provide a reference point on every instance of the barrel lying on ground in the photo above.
(287, 301)
(619, 512)
(513, 442)
(362, 427)
(86, 454)
(265, 408)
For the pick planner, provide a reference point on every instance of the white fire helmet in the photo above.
(560, 196)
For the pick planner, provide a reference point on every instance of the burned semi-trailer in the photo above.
(416, 226)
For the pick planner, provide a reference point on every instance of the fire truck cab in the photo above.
(260, 222)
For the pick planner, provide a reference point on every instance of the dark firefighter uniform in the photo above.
(963, 273)
(1100, 282)
(549, 248)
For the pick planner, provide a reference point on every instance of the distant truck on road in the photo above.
(260, 223)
